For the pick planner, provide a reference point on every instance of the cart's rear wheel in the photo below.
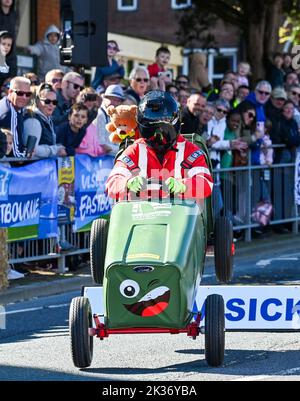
(80, 320)
(98, 242)
(214, 330)
(223, 248)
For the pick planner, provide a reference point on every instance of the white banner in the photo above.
(257, 307)
(246, 307)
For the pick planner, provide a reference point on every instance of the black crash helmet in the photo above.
(158, 120)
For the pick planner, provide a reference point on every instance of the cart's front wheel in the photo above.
(80, 320)
(214, 330)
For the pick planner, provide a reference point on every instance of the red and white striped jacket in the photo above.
(187, 164)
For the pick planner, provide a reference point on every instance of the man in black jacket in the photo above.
(190, 116)
(273, 110)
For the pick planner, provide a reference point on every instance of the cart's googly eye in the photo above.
(129, 288)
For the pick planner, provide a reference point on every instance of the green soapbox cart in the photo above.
(149, 258)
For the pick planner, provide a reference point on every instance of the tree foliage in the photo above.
(257, 20)
(195, 21)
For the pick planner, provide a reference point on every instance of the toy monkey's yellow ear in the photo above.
(111, 110)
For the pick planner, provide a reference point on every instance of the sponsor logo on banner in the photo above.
(91, 199)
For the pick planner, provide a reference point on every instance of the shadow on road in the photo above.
(24, 373)
(236, 364)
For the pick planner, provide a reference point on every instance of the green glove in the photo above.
(135, 184)
(175, 186)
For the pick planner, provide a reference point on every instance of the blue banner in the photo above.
(91, 174)
(28, 200)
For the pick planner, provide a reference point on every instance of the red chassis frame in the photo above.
(101, 331)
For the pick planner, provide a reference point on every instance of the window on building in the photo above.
(127, 5)
(178, 4)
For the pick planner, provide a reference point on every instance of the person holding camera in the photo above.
(160, 76)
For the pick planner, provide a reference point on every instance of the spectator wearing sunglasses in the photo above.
(258, 100)
(114, 67)
(182, 82)
(90, 98)
(11, 112)
(217, 125)
(38, 123)
(54, 78)
(294, 95)
(71, 86)
(139, 80)
(248, 123)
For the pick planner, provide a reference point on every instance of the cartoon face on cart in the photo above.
(154, 302)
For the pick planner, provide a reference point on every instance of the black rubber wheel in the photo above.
(223, 248)
(214, 330)
(98, 242)
(80, 320)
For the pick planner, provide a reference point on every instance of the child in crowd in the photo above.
(71, 133)
(160, 76)
(90, 144)
(266, 153)
(47, 51)
(6, 44)
(90, 98)
(3, 144)
(4, 88)
(6, 145)
(243, 72)
(231, 135)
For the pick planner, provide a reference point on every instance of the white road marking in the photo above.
(208, 275)
(287, 372)
(267, 262)
(58, 306)
(33, 309)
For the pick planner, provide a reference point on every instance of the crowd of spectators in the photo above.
(66, 116)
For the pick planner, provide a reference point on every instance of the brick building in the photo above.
(140, 27)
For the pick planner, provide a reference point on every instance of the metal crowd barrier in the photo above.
(35, 250)
(241, 188)
(238, 190)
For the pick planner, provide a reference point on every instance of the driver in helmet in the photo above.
(161, 154)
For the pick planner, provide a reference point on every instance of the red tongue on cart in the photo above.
(155, 310)
(152, 307)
